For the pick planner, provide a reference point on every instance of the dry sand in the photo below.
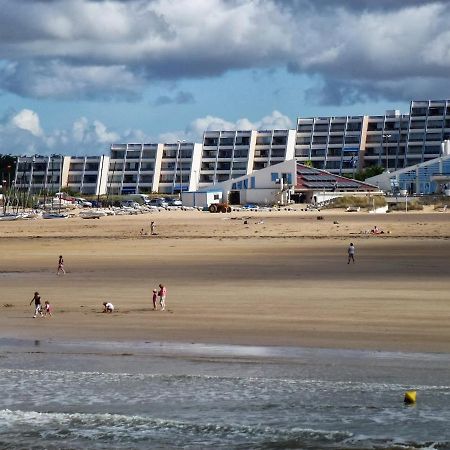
(280, 279)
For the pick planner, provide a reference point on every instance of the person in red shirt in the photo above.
(162, 296)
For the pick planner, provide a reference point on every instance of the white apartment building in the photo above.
(232, 154)
(87, 174)
(163, 168)
(392, 141)
(330, 143)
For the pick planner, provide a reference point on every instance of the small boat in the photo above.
(9, 217)
(92, 214)
(54, 215)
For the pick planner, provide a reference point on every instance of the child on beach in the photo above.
(37, 304)
(162, 296)
(108, 307)
(155, 298)
(60, 265)
(47, 309)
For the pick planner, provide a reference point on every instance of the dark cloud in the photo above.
(347, 92)
(180, 98)
(92, 49)
(300, 6)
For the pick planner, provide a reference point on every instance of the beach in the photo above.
(282, 278)
(269, 340)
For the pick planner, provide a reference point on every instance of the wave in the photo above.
(112, 376)
(77, 430)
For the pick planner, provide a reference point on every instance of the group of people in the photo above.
(38, 311)
(152, 230)
(160, 295)
(108, 307)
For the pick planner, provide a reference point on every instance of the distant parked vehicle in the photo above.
(159, 202)
(250, 206)
(130, 204)
(83, 202)
(175, 202)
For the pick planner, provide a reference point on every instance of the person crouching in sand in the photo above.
(108, 307)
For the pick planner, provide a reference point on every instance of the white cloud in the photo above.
(29, 121)
(194, 131)
(20, 133)
(276, 120)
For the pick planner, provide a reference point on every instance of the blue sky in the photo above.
(78, 75)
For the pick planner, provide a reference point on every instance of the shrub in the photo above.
(363, 202)
(413, 205)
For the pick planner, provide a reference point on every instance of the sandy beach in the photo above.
(282, 278)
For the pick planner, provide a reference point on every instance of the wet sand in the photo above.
(281, 279)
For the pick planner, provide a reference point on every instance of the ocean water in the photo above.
(154, 395)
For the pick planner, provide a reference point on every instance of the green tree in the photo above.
(371, 171)
(7, 169)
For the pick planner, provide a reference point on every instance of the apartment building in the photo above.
(330, 143)
(232, 154)
(164, 168)
(87, 174)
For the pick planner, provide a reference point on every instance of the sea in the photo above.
(156, 395)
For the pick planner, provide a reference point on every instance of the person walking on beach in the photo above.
(60, 265)
(47, 309)
(153, 228)
(155, 298)
(37, 304)
(351, 253)
(162, 296)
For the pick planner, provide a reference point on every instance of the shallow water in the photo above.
(152, 395)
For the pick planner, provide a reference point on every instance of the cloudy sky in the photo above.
(77, 75)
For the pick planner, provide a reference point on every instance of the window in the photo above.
(216, 197)
(209, 141)
(242, 140)
(233, 186)
(227, 141)
(354, 126)
(279, 140)
(263, 140)
(252, 183)
(274, 176)
(245, 183)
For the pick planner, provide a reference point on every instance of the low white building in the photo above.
(289, 181)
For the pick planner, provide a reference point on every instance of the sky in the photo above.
(79, 75)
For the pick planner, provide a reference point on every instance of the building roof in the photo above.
(309, 178)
